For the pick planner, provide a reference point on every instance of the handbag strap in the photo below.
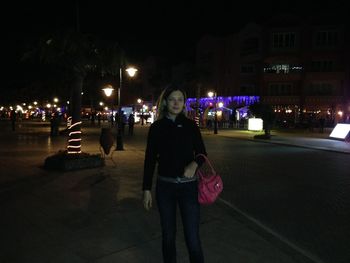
(207, 161)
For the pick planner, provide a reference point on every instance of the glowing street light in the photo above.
(131, 71)
(55, 100)
(108, 90)
(212, 94)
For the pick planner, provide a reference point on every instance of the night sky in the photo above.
(169, 29)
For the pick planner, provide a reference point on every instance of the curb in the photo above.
(285, 144)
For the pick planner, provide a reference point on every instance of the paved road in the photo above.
(300, 194)
(95, 215)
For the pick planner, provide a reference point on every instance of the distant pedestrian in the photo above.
(174, 141)
(131, 122)
(99, 119)
(52, 124)
(116, 118)
(209, 124)
(322, 121)
(232, 120)
(13, 117)
(93, 117)
(142, 118)
(112, 119)
(310, 123)
(55, 123)
(123, 121)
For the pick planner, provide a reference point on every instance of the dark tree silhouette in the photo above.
(266, 113)
(74, 55)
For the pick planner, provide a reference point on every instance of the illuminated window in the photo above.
(282, 68)
(277, 68)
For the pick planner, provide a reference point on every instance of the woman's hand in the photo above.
(147, 199)
(190, 169)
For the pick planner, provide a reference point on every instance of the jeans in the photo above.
(168, 195)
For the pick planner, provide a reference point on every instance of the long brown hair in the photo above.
(161, 102)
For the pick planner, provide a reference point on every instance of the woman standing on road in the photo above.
(174, 141)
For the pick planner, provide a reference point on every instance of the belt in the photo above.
(177, 180)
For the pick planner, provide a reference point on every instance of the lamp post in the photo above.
(108, 90)
(140, 101)
(212, 94)
(131, 72)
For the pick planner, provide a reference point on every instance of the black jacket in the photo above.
(173, 144)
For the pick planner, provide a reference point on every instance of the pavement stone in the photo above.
(96, 215)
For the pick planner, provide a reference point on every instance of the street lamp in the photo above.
(141, 108)
(131, 72)
(212, 94)
(108, 90)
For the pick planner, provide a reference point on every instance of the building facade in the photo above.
(299, 66)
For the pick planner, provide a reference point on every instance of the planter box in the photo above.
(69, 162)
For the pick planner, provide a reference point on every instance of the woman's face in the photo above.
(175, 102)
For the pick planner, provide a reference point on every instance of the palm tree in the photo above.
(75, 55)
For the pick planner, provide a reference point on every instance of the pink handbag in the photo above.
(209, 184)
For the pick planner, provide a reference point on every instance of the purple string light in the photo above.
(234, 101)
